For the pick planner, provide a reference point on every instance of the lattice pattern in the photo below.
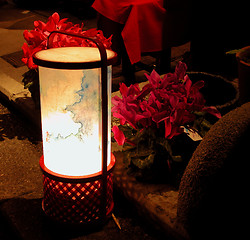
(75, 203)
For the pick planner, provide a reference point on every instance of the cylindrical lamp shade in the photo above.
(75, 93)
(71, 109)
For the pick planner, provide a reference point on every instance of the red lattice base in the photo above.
(70, 201)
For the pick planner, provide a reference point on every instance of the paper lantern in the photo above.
(75, 94)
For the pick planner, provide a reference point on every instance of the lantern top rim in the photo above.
(72, 58)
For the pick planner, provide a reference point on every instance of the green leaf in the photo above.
(233, 51)
(28, 85)
(143, 163)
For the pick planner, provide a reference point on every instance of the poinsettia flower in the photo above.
(37, 38)
(169, 101)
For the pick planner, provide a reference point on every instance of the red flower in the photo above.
(37, 39)
(169, 101)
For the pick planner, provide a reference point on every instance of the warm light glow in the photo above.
(73, 54)
(71, 117)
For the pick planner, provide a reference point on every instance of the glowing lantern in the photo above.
(75, 92)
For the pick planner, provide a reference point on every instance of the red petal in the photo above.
(180, 70)
(198, 85)
(133, 89)
(145, 91)
(168, 127)
(26, 50)
(55, 17)
(50, 25)
(39, 24)
(188, 84)
(154, 78)
(30, 63)
(118, 135)
(123, 89)
(212, 110)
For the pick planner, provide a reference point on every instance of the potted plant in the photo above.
(36, 40)
(243, 59)
(163, 123)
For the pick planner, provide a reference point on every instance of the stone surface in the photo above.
(157, 202)
(213, 193)
(19, 169)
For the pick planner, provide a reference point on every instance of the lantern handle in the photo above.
(104, 97)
